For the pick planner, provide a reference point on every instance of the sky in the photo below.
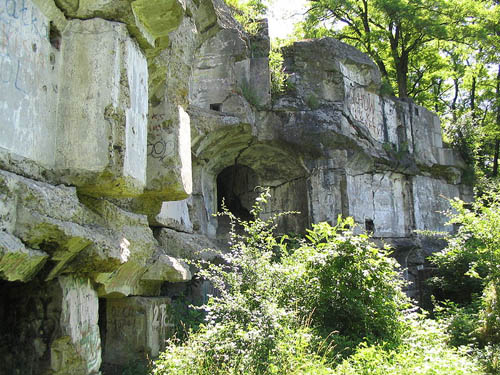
(283, 14)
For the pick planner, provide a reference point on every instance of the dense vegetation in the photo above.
(332, 303)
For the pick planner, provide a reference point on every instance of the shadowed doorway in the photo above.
(236, 188)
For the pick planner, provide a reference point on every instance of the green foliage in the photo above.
(246, 330)
(490, 359)
(348, 285)
(490, 314)
(470, 267)
(478, 236)
(423, 351)
(461, 323)
(452, 280)
(248, 13)
(256, 323)
(278, 75)
(472, 256)
(282, 310)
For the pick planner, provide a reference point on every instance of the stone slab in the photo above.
(29, 84)
(102, 113)
(137, 328)
(175, 215)
(17, 262)
(429, 213)
(78, 350)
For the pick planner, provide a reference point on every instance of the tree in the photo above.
(248, 13)
(396, 34)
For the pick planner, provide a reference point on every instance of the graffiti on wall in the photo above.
(363, 107)
(23, 29)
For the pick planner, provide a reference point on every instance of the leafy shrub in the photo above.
(245, 331)
(346, 283)
(278, 75)
(272, 302)
(423, 351)
(461, 323)
(477, 240)
(471, 261)
(452, 280)
(490, 314)
(490, 359)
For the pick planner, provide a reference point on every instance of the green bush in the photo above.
(460, 322)
(348, 285)
(423, 351)
(476, 245)
(282, 311)
(468, 273)
(452, 280)
(470, 264)
(246, 330)
(490, 314)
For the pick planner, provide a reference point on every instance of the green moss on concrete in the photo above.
(21, 266)
(109, 185)
(158, 17)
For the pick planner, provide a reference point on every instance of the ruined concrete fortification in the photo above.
(123, 124)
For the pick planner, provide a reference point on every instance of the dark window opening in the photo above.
(236, 188)
(369, 225)
(416, 111)
(102, 323)
(216, 107)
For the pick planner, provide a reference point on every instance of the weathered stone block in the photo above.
(167, 268)
(29, 85)
(157, 18)
(169, 173)
(184, 245)
(367, 108)
(327, 189)
(103, 109)
(78, 350)
(17, 262)
(327, 69)
(376, 203)
(175, 215)
(431, 201)
(214, 74)
(136, 328)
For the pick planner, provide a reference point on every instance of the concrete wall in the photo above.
(29, 83)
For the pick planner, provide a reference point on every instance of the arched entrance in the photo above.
(236, 187)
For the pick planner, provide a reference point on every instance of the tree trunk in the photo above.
(473, 101)
(495, 157)
(454, 101)
(497, 140)
(402, 76)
